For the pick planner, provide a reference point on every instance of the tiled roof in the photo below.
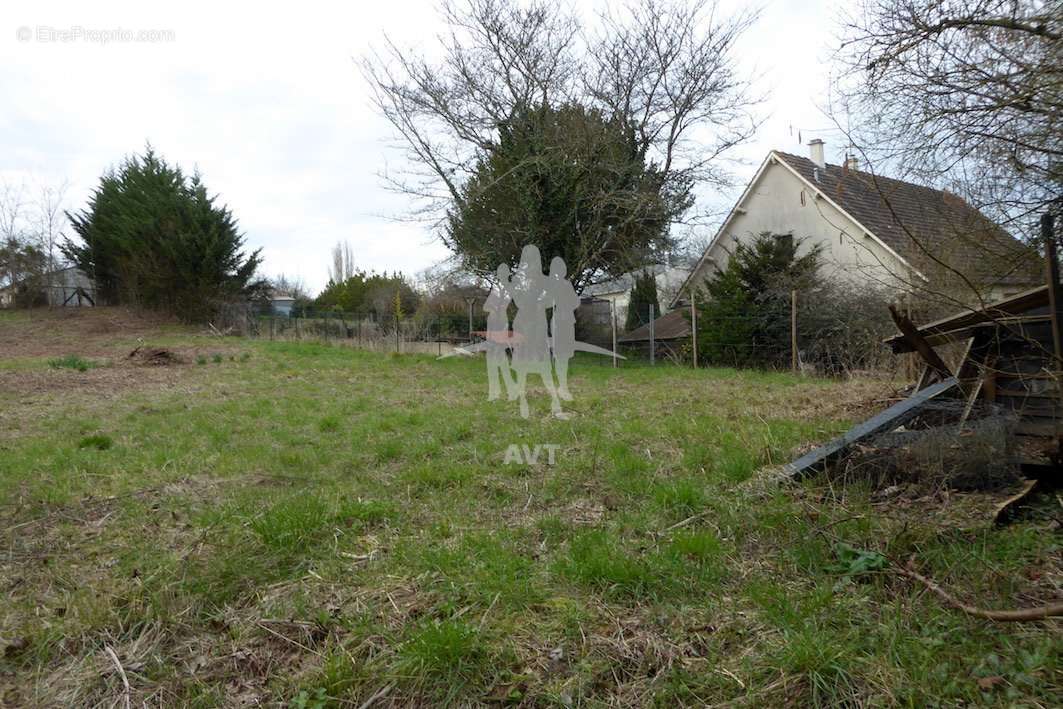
(670, 326)
(936, 224)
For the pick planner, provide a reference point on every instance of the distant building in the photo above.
(65, 287)
(617, 292)
(281, 303)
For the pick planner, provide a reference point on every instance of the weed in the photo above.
(98, 441)
(71, 362)
(329, 424)
(449, 650)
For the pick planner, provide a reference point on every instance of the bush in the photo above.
(745, 319)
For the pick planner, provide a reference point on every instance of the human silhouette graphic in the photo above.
(497, 338)
(535, 346)
(531, 345)
(564, 302)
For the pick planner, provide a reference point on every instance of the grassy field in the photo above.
(306, 525)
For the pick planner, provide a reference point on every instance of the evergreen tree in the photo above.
(744, 310)
(643, 295)
(574, 183)
(154, 237)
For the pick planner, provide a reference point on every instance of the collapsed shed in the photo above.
(1012, 362)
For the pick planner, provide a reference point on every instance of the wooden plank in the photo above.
(1005, 512)
(969, 406)
(911, 334)
(1017, 328)
(1055, 296)
(1021, 303)
(924, 378)
(896, 415)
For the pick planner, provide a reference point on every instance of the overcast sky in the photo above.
(269, 105)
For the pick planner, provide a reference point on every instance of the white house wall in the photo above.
(774, 204)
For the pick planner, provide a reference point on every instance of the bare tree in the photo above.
(50, 220)
(294, 286)
(963, 92)
(665, 67)
(668, 68)
(342, 266)
(13, 232)
(13, 205)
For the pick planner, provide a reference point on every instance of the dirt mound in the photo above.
(153, 356)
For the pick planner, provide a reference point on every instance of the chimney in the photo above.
(815, 152)
(852, 163)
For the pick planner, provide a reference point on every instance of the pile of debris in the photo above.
(153, 356)
(930, 453)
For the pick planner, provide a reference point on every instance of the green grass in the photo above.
(71, 362)
(318, 526)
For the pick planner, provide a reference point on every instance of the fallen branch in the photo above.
(1019, 615)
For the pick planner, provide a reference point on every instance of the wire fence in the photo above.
(425, 334)
(775, 340)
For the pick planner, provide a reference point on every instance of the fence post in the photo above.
(396, 333)
(612, 319)
(653, 347)
(694, 327)
(794, 364)
(271, 326)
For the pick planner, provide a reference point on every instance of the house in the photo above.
(873, 231)
(281, 303)
(64, 287)
(617, 291)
